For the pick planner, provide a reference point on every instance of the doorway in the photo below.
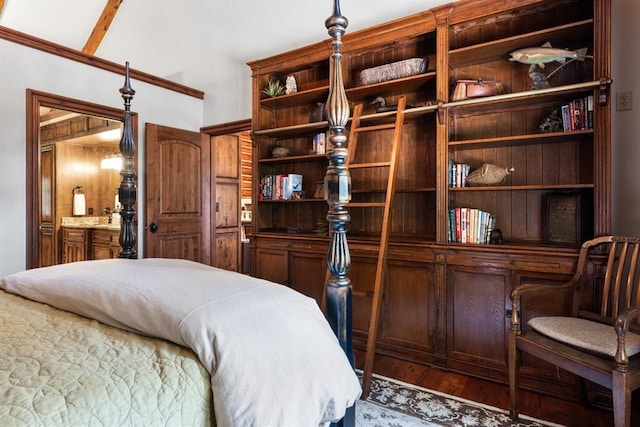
(43, 213)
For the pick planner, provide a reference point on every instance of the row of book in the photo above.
(470, 225)
(578, 114)
(281, 187)
(458, 174)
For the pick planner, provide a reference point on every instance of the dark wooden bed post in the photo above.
(337, 193)
(127, 190)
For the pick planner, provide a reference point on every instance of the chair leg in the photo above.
(621, 393)
(514, 375)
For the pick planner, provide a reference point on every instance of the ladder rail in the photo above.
(381, 264)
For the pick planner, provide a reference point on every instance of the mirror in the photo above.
(67, 141)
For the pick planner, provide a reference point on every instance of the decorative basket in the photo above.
(280, 152)
(488, 174)
(394, 70)
(556, 74)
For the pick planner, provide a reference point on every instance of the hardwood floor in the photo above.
(536, 405)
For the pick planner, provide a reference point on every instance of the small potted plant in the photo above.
(273, 88)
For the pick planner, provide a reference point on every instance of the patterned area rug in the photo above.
(393, 403)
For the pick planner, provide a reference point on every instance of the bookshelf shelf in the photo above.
(573, 32)
(522, 187)
(521, 139)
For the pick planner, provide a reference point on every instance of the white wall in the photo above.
(24, 68)
(625, 125)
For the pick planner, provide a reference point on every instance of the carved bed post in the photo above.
(337, 191)
(127, 190)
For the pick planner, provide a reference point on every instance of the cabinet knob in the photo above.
(153, 227)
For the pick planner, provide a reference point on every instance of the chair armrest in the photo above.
(622, 323)
(518, 291)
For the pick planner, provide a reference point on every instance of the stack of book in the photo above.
(470, 225)
(281, 186)
(458, 174)
(578, 114)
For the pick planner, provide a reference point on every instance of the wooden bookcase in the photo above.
(446, 303)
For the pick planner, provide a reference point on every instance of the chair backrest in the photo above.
(619, 289)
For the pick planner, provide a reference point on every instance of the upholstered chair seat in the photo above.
(585, 334)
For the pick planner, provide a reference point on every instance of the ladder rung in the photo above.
(374, 127)
(369, 165)
(366, 205)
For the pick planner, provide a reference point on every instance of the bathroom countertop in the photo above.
(97, 222)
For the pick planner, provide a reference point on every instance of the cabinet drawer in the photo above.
(104, 237)
(73, 235)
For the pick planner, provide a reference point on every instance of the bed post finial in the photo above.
(127, 190)
(337, 193)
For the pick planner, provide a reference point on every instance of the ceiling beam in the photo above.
(101, 28)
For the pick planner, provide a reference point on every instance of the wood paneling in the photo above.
(446, 303)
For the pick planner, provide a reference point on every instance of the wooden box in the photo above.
(569, 218)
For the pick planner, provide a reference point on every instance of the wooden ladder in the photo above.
(391, 165)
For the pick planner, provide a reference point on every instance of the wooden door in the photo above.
(225, 153)
(178, 194)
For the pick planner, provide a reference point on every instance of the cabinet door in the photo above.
(362, 274)
(409, 306)
(47, 246)
(101, 251)
(226, 250)
(75, 245)
(74, 251)
(273, 265)
(477, 324)
(307, 273)
(408, 311)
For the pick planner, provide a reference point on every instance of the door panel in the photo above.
(226, 250)
(178, 194)
(227, 205)
(225, 153)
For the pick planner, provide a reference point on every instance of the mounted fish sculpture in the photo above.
(545, 54)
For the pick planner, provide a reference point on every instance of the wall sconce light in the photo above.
(112, 161)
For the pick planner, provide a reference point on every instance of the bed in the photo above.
(165, 342)
(169, 342)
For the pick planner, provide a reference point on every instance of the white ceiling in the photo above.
(189, 41)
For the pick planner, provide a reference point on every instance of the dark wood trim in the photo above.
(75, 55)
(227, 128)
(36, 99)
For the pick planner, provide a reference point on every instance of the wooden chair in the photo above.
(595, 343)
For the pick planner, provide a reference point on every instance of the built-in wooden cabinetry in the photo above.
(87, 243)
(105, 243)
(75, 244)
(445, 303)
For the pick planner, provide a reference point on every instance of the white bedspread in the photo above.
(273, 359)
(60, 369)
